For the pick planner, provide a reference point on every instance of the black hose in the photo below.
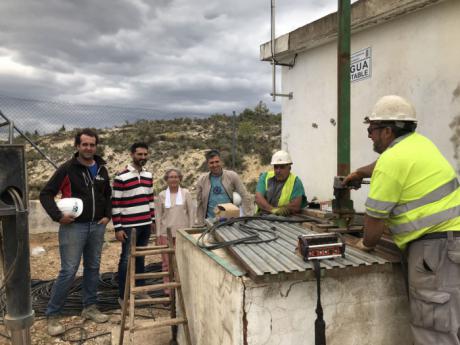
(252, 232)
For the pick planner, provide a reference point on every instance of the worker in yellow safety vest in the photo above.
(414, 191)
(279, 191)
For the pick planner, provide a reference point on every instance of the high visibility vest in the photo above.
(415, 189)
(287, 190)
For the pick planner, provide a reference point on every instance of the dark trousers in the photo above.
(142, 239)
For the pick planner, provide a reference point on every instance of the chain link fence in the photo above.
(42, 117)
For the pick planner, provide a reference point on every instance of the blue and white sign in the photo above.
(361, 65)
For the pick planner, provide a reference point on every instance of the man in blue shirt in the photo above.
(217, 187)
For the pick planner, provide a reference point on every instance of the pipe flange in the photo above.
(18, 323)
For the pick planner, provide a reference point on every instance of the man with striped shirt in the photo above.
(133, 207)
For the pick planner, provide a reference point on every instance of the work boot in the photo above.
(54, 326)
(92, 313)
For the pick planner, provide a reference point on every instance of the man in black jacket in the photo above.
(85, 177)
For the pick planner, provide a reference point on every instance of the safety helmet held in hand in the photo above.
(281, 157)
(70, 206)
(392, 108)
(236, 199)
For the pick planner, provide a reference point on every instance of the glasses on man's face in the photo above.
(280, 166)
(371, 129)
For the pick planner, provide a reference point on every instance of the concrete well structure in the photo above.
(365, 303)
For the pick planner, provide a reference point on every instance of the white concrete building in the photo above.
(404, 47)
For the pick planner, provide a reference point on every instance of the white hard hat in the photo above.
(70, 206)
(281, 157)
(392, 108)
(236, 199)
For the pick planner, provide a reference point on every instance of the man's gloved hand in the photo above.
(353, 177)
(360, 245)
(281, 211)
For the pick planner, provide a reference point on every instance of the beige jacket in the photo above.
(231, 182)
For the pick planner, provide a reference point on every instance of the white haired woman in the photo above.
(173, 209)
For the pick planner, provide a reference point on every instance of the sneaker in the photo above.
(92, 313)
(54, 326)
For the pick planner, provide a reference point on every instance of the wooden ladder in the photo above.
(131, 290)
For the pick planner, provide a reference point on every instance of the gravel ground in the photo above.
(46, 266)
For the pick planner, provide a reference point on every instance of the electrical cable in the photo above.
(252, 232)
(107, 293)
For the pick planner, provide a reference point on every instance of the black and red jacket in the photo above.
(74, 180)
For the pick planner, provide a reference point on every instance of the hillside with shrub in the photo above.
(179, 142)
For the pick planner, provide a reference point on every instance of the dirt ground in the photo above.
(46, 266)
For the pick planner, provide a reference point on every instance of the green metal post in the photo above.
(343, 89)
(343, 203)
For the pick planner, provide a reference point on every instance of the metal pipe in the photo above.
(272, 46)
(343, 89)
(21, 337)
(16, 264)
(10, 132)
(234, 140)
(342, 204)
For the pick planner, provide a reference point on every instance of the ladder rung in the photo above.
(156, 287)
(151, 275)
(152, 247)
(154, 252)
(157, 324)
(157, 300)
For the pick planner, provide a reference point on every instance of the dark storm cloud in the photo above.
(174, 56)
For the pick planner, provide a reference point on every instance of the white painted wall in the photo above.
(416, 56)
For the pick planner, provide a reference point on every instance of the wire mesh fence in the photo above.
(42, 117)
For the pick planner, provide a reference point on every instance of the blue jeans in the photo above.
(75, 240)
(142, 239)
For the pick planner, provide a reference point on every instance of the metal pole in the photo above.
(343, 205)
(15, 250)
(343, 89)
(272, 46)
(234, 140)
(11, 132)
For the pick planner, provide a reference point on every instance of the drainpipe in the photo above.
(343, 203)
(272, 46)
(273, 60)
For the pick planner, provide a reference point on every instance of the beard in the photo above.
(141, 162)
(377, 148)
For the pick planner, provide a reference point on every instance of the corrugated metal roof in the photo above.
(278, 257)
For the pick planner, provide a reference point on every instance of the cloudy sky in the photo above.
(174, 56)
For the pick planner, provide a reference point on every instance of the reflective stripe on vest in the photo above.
(287, 190)
(430, 220)
(383, 206)
(433, 196)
